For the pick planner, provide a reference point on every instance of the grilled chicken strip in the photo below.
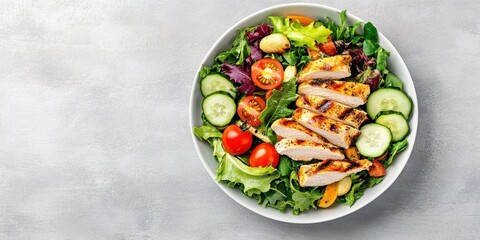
(300, 150)
(334, 110)
(329, 171)
(335, 132)
(336, 67)
(289, 128)
(349, 93)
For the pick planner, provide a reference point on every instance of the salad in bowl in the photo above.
(302, 113)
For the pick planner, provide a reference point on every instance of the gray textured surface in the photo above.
(94, 136)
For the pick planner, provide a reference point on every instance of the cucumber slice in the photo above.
(396, 122)
(219, 108)
(389, 99)
(374, 140)
(216, 82)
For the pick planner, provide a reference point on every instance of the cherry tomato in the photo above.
(302, 19)
(250, 108)
(263, 155)
(328, 47)
(235, 141)
(377, 169)
(267, 73)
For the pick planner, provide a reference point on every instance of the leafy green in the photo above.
(277, 106)
(218, 151)
(238, 53)
(298, 34)
(343, 31)
(382, 56)
(363, 76)
(370, 32)
(207, 132)
(285, 166)
(354, 193)
(295, 56)
(370, 47)
(254, 180)
(302, 200)
(393, 81)
(395, 148)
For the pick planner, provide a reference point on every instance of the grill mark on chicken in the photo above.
(325, 105)
(352, 165)
(345, 113)
(324, 165)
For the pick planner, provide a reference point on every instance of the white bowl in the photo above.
(317, 11)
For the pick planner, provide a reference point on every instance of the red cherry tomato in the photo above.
(328, 47)
(235, 141)
(377, 169)
(264, 155)
(267, 73)
(250, 108)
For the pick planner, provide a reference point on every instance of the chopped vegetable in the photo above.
(329, 196)
(300, 35)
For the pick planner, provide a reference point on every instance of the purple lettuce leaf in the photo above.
(240, 77)
(259, 32)
(373, 80)
(360, 61)
(255, 55)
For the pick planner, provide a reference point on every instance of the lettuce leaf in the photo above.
(395, 148)
(207, 132)
(239, 51)
(298, 34)
(259, 32)
(277, 106)
(303, 200)
(254, 180)
(240, 77)
(393, 81)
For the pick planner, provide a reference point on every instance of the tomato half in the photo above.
(267, 73)
(250, 108)
(264, 155)
(328, 47)
(235, 141)
(377, 169)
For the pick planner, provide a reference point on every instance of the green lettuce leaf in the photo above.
(298, 34)
(207, 132)
(382, 56)
(393, 81)
(302, 200)
(277, 106)
(396, 148)
(239, 51)
(254, 180)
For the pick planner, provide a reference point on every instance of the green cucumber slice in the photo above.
(374, 140)
(219, 108)
(389, 99)
(396, 122)
(216, 82)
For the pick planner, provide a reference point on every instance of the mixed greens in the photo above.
(277, 183)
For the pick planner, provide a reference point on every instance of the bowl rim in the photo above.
(299, 219)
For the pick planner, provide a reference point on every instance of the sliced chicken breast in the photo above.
(335, 132)
(300, 150)
(336, 67)
(333, 110)
(349, 93)
(329, 171)
(289, 128)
